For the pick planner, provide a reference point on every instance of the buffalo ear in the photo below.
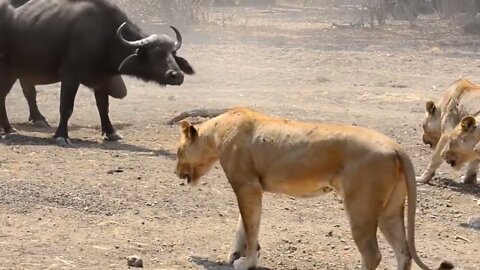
(468, 123)
(189, 131)
(184, 65)
(430, 107)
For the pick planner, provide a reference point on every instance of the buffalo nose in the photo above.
(174, 77)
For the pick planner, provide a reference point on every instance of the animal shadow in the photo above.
(208, 264)
(29, 127)
(25, 139)
(459, 187)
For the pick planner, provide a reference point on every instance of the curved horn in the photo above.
(120, 67)
(178, 43)
(137, 43)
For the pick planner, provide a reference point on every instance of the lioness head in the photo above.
(463, 139)
(431, 125)
(195, 154)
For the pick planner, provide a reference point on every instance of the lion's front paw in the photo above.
(243, 264)
(470, 179)
(232, 257)
(425, 178)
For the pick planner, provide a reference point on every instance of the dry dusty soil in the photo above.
(92, 205)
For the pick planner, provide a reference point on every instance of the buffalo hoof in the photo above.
(63, 142)
(41, 123)
(11, 131)
(113, 137)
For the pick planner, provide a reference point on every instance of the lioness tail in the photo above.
(409, 173)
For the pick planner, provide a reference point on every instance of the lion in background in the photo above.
(260, 154)
(463, 145)
(460, 99)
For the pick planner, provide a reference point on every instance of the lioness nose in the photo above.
(424, 139)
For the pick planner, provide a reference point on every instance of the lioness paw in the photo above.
(470, 179)
(232, 257)
(243, 264)
(425, 178)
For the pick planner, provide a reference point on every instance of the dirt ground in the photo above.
(92, 205)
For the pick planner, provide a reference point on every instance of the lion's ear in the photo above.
(430, 107)
(189, 130)
(468, 123)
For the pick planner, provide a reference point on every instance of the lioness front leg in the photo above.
(470, 176)
(239, 245)
(249, 199)
(436, 160)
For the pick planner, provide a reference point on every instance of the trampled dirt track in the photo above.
(90, 206)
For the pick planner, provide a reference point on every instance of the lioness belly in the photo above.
(296, 188)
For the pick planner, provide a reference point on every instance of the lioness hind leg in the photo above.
(393, 228)
(363, 224)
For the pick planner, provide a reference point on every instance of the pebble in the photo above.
(474, 222)
(134, 261)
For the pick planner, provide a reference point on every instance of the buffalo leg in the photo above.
(101, 97)
(6, 84)
(68, 92)
(30, 94)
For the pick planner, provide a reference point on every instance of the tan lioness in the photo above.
(260, 154)
(460, 99)
(463, 145)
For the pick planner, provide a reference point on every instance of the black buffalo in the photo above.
(89, 42)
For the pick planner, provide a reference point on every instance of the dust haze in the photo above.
(93, 205)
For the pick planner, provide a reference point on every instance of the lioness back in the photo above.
(274, 132)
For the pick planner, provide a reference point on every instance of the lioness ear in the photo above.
(189, 131)
(468, 123)
(430, 107)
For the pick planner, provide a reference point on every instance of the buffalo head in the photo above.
(155, 58)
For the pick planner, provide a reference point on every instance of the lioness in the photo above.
(260, 154)
(463, 145)
(462, 98)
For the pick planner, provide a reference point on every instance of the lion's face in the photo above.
(195, 156)
(432, 125)
(462, 142)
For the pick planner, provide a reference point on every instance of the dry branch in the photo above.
(351, 25)
(206, 113)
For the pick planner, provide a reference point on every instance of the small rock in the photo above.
(474, 222)
(119, 170)
(134, 261)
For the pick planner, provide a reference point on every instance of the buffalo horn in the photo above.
(178, 43)
(137, 43)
